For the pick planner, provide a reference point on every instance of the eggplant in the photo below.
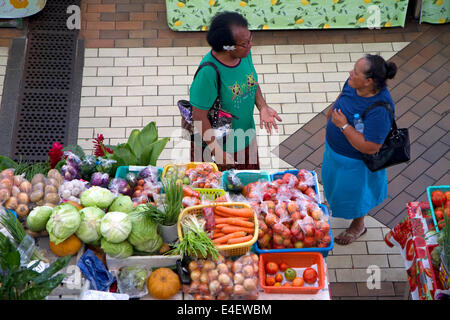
(100, 179)
(149, 172)
(120, 185)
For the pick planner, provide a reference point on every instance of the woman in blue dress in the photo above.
(350, 188)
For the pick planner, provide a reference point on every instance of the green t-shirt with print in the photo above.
(238, 90)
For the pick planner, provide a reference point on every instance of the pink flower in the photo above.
(55, 154)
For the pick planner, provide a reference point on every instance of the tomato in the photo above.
(310, 275)
(447, 195)
(298, 282)
(439, 213)
(287, 284)
(279, 277)
(309, 242)
(438, 198)
(283, 266)
(271, 268)
(277, 284)
(270, 281)
(290, 274)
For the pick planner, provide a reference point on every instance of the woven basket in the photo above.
(226, 250)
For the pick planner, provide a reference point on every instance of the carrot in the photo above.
(222, 215)
(221, 225)
(189, 192)
(235, 221)
(240, 239)
(225, 238)
(218, 235)
(237, 212)
(231, 229)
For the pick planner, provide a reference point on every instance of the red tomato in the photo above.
(271, 268)
(438, 198)
(279, 277)
(310, 275)
(270, 281)
(439, 213)
(447, 195)
(283, 266)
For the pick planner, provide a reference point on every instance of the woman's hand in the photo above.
(267, 117)
(338, 118)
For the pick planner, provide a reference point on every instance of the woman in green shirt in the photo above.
(231, 42)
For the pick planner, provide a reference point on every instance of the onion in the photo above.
(193, 265)
(204, 277)
(222, 268)
(214, 287)
(224, 279)
(195, 275)
(238, 278)
(209, 265)
(239, 290)
(213, 274)
(250, 284)
(248, 271)
(237, 267)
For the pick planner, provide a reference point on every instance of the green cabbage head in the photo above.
(119, 250)
(38, 217)
(89, 230)
(97, 197)
(63, 222)
(144, 234)
(115, 227)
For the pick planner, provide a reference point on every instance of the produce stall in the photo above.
(113, 225)
(423, 239)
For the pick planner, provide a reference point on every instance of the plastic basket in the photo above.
(323, 251)
(226, 250)
(210, 193)
(429, 191)
(189, 165)
(278, 175)
(122, 171)
(293, 260)
(246, 177)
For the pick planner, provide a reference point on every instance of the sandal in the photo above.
(347, 237)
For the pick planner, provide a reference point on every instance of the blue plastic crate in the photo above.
(323, 251)
(246, 177)
(278, 175)
(430, 189)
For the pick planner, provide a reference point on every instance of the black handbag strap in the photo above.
(384, 105)
(207, 63)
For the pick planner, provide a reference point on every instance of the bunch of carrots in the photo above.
(233, 225)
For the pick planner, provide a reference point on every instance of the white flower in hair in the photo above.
(229, 48)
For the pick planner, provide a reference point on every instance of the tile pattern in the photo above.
(421, 93)
(3, 63)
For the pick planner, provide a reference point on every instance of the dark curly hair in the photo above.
(220, 33)
(379, 70)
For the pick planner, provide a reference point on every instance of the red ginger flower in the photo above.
(55, 154)
(99, 148)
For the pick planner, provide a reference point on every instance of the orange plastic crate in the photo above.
(293, 260)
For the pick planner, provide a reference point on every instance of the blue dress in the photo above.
(350, 188)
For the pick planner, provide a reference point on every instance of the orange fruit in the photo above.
(277, 284)
(69, 246)
(76, 205)
(298, 282)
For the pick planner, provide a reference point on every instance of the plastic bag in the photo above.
(106, 166)
(208, 213)
(149, 173)
(88, 167)
(132, 280)
(119, 186)
(71, 190)
(72, 169)
(100, 179)
(233, 182)
(245, 277)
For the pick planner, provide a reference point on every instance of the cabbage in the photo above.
(122, 204)
(38, 217)
(63, 222)
(115, 227)
(119, 250)
(89, 230)
(144, 234)
(97, 197)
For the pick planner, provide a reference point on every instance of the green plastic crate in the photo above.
(246, 177)
(429, 191)
(122, 171)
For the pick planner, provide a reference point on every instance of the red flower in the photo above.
(99, 147)
(55, 154)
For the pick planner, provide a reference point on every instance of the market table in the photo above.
(411, 236)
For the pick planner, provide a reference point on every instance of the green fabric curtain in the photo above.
(195, 15)
(435, 11)
(12, 9)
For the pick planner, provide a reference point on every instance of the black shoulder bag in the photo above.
(396, 146)
(221, 120)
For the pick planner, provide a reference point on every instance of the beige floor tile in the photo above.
(364, 261)
(378, 247)
(339, 262)
(396, 261)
